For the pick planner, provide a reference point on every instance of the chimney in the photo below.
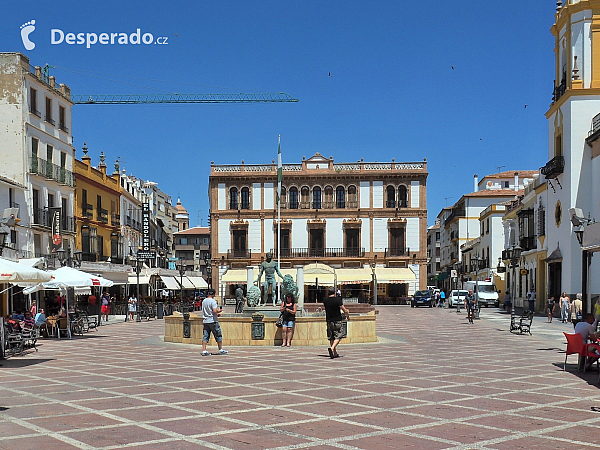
(475, 183)
(516, 181)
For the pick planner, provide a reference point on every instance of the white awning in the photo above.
(235, 276)
(187, 284)
(199, 282)
(354, 276)
(132, 279)
(394, 275)
(170, 282)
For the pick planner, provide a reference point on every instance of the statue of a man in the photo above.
(269, 267)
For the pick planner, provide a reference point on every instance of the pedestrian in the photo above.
(288, 309)
(597, 309)
(576, 310)
(507, 301)
(531, 300)
(443, 297)
(334, 320)
(210, 314)
(105, 306)
(551, 305)
(564, 307)
(470, 303)
(132, 305)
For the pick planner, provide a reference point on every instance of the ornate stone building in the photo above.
(344, 215)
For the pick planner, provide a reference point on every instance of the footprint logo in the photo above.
(26, 30)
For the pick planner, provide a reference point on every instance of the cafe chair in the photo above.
(62, 327)
(575, 345)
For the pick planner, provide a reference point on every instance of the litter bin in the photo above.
(160, 310)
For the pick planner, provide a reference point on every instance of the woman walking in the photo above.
(132, 306)
(564, 307)
(288, 309)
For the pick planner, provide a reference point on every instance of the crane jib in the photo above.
(133, 99)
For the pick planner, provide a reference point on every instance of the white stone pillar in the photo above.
(300, 284)
(249, 277)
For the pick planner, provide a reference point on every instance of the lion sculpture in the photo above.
(253, 296)
(288, 286)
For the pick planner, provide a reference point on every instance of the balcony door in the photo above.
(351, 238)
(396, 241)
(240, 243)
(317, 242)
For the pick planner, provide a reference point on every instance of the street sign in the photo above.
(453, 273)
(146, 255)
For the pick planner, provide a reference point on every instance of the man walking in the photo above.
(470, 302)
(443, 298)
(210, 314)
(334, 319)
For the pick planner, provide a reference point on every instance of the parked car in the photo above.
(422, 298)
(457, 297)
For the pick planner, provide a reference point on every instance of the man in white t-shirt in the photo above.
(587, 329)
(210, 314)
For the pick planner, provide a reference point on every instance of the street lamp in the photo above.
(208, 265)
(514, 254)
(181, 268)
(69, 259)
(374, 275)
(137, 267)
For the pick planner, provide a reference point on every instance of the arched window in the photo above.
(245, 198)
(328, 197)
(340, 197)
(293, 198)
(304, 201)
(233, 198)
(283, 197)
(352, 199)
(402, 197)
(390, 201)
(316, 197)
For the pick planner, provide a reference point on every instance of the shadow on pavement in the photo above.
(13, 363)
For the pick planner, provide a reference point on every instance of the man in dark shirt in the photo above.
(334, 319)
(470, 303)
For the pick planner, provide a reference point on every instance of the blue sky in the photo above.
(392, 92)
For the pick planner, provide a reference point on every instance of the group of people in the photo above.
(18, 322)
(570, 310)
(333, 303)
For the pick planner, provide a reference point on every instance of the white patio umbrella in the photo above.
(69, 277)
(13, 272)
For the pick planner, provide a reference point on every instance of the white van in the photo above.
(486, 292)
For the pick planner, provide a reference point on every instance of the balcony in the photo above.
(321, 252)
(88, 211)
(527, 243)
(559, 90)
(68, 223)
(63, 127)
(390, 204)
(41, 217)
(51, 171)
(36, 113)
(554, 167)
(239, 254)
(102, 215)
(392, 252)
(115, 220)
(50, 120)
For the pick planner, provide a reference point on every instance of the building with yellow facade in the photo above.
(97, 215)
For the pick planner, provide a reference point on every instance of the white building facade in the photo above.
(573, 167)
(37, 153)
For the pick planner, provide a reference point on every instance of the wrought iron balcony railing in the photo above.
(554, 167)
(391, 252)
(321, 252)
(51, 171)
(102, 215)
(242, 254)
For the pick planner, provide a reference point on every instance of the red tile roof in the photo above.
(495, 193)
(194, 230)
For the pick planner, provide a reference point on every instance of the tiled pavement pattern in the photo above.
(434, 382)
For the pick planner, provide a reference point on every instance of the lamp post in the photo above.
(139, 263)
(374, 274)
(514, 254)
(181, 269)
(208, 265)
(70, 259)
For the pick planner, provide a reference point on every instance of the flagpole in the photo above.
(279, 176)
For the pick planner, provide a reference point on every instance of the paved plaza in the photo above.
(432, 382)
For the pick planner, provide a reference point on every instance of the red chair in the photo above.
(575, 345)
